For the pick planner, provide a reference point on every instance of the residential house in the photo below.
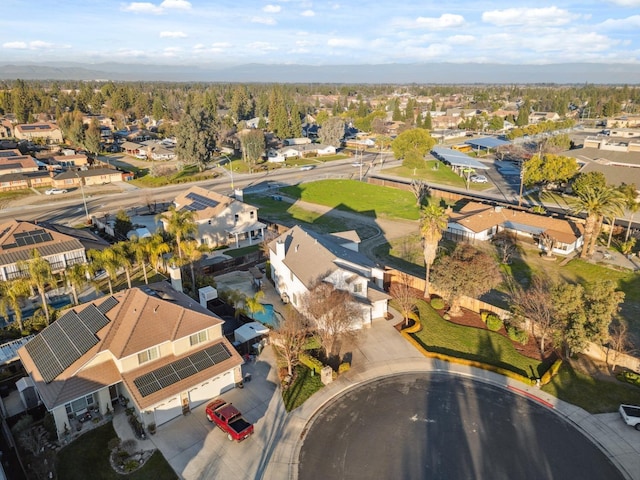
(220, 219)
(17, 164)
(43, 130)
(477, 221)
(300, 258)
(158, 150)
(296, 141)
(274, 156)
(19, 239)
(153, 345)
(6, 128)
(309, 150)
(94, 176)
(74, 160)
(132, 148)
(538, 117)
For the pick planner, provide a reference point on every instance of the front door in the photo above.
(184, 397)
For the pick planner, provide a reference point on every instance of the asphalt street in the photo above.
(435, 426)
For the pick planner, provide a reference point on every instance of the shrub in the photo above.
(131, 465)
(312, 363)
(113, 443)
(629, 377)
(343, 367)
(437, 303)
(129, 446)
(517, 335)
(484, 314)
(494, 322)
(549, 374)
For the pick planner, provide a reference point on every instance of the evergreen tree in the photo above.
(296, 123)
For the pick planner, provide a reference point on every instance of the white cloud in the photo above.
(127, 52)
(176, 4)
(308, 13)
(534, 17)
(263, 20)
(142, 7)
(221, 45)
(446, 20)
(173, 35)
(37, 44)
(461, 39)
(271, 8)
(627, 3)
(344, 42)
(15, 45)
(628, 23)
(261, 47)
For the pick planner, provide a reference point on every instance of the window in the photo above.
(295, 299)
(236, 217)
(251, 214)
(357, 288)
(291, 275)
(197, 338)
(148, 355)
(79, 404)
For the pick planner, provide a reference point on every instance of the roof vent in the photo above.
(297, 246)
(497, 208)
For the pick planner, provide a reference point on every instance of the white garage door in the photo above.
(168, 410)
(210, 389)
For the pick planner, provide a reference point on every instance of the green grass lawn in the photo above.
(358, 197)
(595, 396)
(440, 336)
(436, 172)
(88, 457)
(302, 388)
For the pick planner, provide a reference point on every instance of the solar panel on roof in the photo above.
(181, 369)
(93, 318)
(200, 202)
(82, 336)
(61, 346)
(47, 364)
(107, 305)
(32, 238)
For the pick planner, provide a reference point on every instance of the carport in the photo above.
(461, 163)
(486, 143)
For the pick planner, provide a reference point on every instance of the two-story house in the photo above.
(221, 220)
(18, 240)
(50, 132)
(300, 258)
(155, 346)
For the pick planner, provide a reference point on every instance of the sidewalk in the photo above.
(382, 351)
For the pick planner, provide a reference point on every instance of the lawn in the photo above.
(88, 457)
(440, 336)
(305, 385)
(591, 394)
(358, 197)
(436, 172)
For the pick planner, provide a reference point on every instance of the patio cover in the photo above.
(458, 159)
(249, 331)
(487, 142)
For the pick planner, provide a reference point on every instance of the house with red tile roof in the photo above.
(153, 345)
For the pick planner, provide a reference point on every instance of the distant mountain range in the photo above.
(394, 73)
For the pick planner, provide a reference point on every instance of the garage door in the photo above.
(168, 410)
(210, 389)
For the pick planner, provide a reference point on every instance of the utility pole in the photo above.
(84, 200)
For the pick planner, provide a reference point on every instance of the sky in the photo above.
(327, 32)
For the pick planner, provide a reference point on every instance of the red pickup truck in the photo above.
(229, 419)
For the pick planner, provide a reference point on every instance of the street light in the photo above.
(230, 170)
(84, 200)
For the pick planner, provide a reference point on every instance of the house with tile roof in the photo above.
(477, 221)
(300, 258)
(221, 220)
(155, 346)
(18, 240)
(32, 131)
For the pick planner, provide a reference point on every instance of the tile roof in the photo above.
(223, 202)
(479, 217)
(140, 320)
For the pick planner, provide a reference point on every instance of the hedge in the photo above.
(437, 303)
(312, 363)
(517, 335)
(629, 377)
(494, 322)
(549, 374)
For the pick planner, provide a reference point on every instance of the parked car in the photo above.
(229, 419)
(55, 191)
(307, 167)
(631, 415)
(478, 179)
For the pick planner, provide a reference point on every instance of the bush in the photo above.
(629, 377)
(549, 374)
(113, 443)
(437, 303)
(517, 335)
(483, 315)
(494, 322)
(343, 367)
(310, 362)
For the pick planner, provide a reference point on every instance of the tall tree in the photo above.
(433, 221)
(630, 195)
(253, 144)
(466, 272)
(254, 304)
(40, 276)
(76, 276)
(192, 251)
(92, 138)
(332, 131)
(122, 255)
(196, 134)
(289, 337)
(416, 141)
(180, 223)
(12, 292)
(404, 295)
(156, 247)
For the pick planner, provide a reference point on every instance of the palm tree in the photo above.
(630, 194)
(106, 260)
(40, 275)
(156, 247)
(139, 249)
(597, 202)
(253, 304)
(121, 256)
(11, 294)
(76, 277)
(179, 223)
(193, 253)
(433, 221)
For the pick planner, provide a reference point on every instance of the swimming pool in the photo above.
(268, 317)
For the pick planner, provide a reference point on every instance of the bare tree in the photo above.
(332, 312)
(535, 303)
(420, 189)
(548, 242)
(618, 345)
(289, 337)
(505, 244)
(405, 297)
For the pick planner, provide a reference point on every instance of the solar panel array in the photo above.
(200, 202)
(181, 369)
(33, 237)
(66, 340)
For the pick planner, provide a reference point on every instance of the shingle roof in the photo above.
(222, 201)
